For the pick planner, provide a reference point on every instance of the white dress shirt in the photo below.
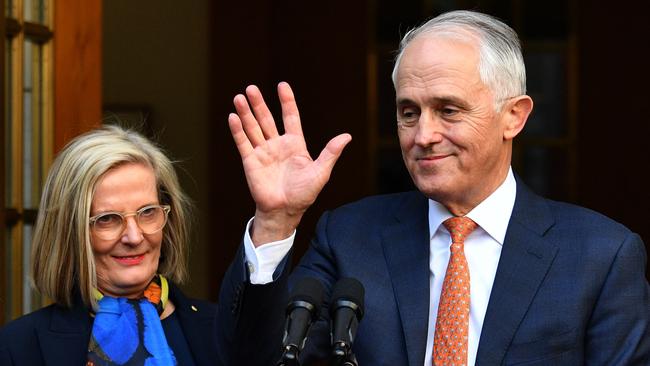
(262, 261)
(482, 250)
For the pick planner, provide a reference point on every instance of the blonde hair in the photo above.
(62, 255)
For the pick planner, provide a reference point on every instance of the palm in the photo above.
(280, 173)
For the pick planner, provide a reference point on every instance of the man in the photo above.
(549, 283)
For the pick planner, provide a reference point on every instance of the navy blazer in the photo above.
(223, 334)
(570, 287)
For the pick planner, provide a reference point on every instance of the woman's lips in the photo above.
(130, 260)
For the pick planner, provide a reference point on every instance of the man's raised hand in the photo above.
(282, 177)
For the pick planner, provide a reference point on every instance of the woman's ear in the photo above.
(517, 111)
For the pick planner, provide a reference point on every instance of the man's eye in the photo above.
(408, 116)
(449, 111)
(450, 114)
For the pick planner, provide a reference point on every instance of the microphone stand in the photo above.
(342, 355)
(289, 356)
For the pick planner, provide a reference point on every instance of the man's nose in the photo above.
(429, 129)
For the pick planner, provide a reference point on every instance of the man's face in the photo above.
(451, 137)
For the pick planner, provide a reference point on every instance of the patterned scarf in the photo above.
(129, 331)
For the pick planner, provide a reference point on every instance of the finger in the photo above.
(331, 153)
(290, 115)
(241, 140)
(248, 121)
(261, 111)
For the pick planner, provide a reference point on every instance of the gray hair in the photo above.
(501, 64)
(62, 255)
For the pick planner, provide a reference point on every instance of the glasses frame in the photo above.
(124, 215)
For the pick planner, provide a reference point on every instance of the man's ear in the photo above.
(515, 115)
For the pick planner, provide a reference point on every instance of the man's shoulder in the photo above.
(382, 203)
(582, 218)
(577, 229)
(373, 212)
(563, 216)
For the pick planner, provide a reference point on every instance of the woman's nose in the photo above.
(132, 232)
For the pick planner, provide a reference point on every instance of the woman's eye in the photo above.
(108, 219)
(149, 211)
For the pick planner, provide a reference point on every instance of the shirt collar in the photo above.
(492, 215)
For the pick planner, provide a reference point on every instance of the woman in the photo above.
(109, 246)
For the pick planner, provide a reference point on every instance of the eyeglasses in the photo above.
(110, 225)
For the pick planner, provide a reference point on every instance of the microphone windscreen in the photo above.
(309, 290)
(348, 289)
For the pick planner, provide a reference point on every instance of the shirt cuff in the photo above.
(262, 261)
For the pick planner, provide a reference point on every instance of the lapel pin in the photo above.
(194, 308)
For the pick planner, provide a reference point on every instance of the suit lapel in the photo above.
(64, 341)
(406, 249)
(525, 259)
(198, 325)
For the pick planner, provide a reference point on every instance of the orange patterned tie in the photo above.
(452, 323)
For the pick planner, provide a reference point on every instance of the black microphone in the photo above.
(303, 309)
(346, 310)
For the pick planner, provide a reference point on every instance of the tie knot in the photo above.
(459, 227)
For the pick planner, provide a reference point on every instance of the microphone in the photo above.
(346, 310)
(303, 309)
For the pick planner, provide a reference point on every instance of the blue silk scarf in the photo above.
(129, 331)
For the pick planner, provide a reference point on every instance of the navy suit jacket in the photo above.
(234, 332)
(570, 287)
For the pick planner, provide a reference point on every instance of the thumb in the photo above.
(332, 152)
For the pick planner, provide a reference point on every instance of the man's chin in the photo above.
(432, 190)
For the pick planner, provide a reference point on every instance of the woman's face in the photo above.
(126, 264)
